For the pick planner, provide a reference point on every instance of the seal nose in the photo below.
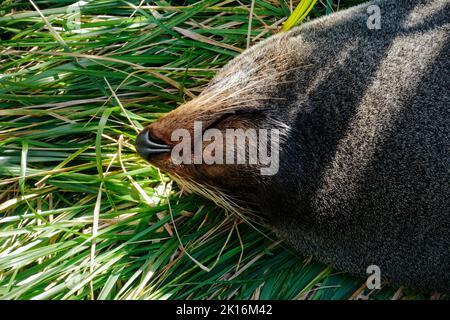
(147, 145)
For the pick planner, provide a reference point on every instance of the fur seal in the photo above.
(364, 152)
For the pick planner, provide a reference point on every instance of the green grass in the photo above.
(81, 215)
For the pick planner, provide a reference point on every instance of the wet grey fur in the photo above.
(365, 168)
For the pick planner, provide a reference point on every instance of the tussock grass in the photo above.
(81, 216)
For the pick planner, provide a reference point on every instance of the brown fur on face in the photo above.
(237, 98)
(219, 175)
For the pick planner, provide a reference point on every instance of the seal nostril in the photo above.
(147, 144)
(155, 142)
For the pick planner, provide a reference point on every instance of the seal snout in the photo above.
(147, 145)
